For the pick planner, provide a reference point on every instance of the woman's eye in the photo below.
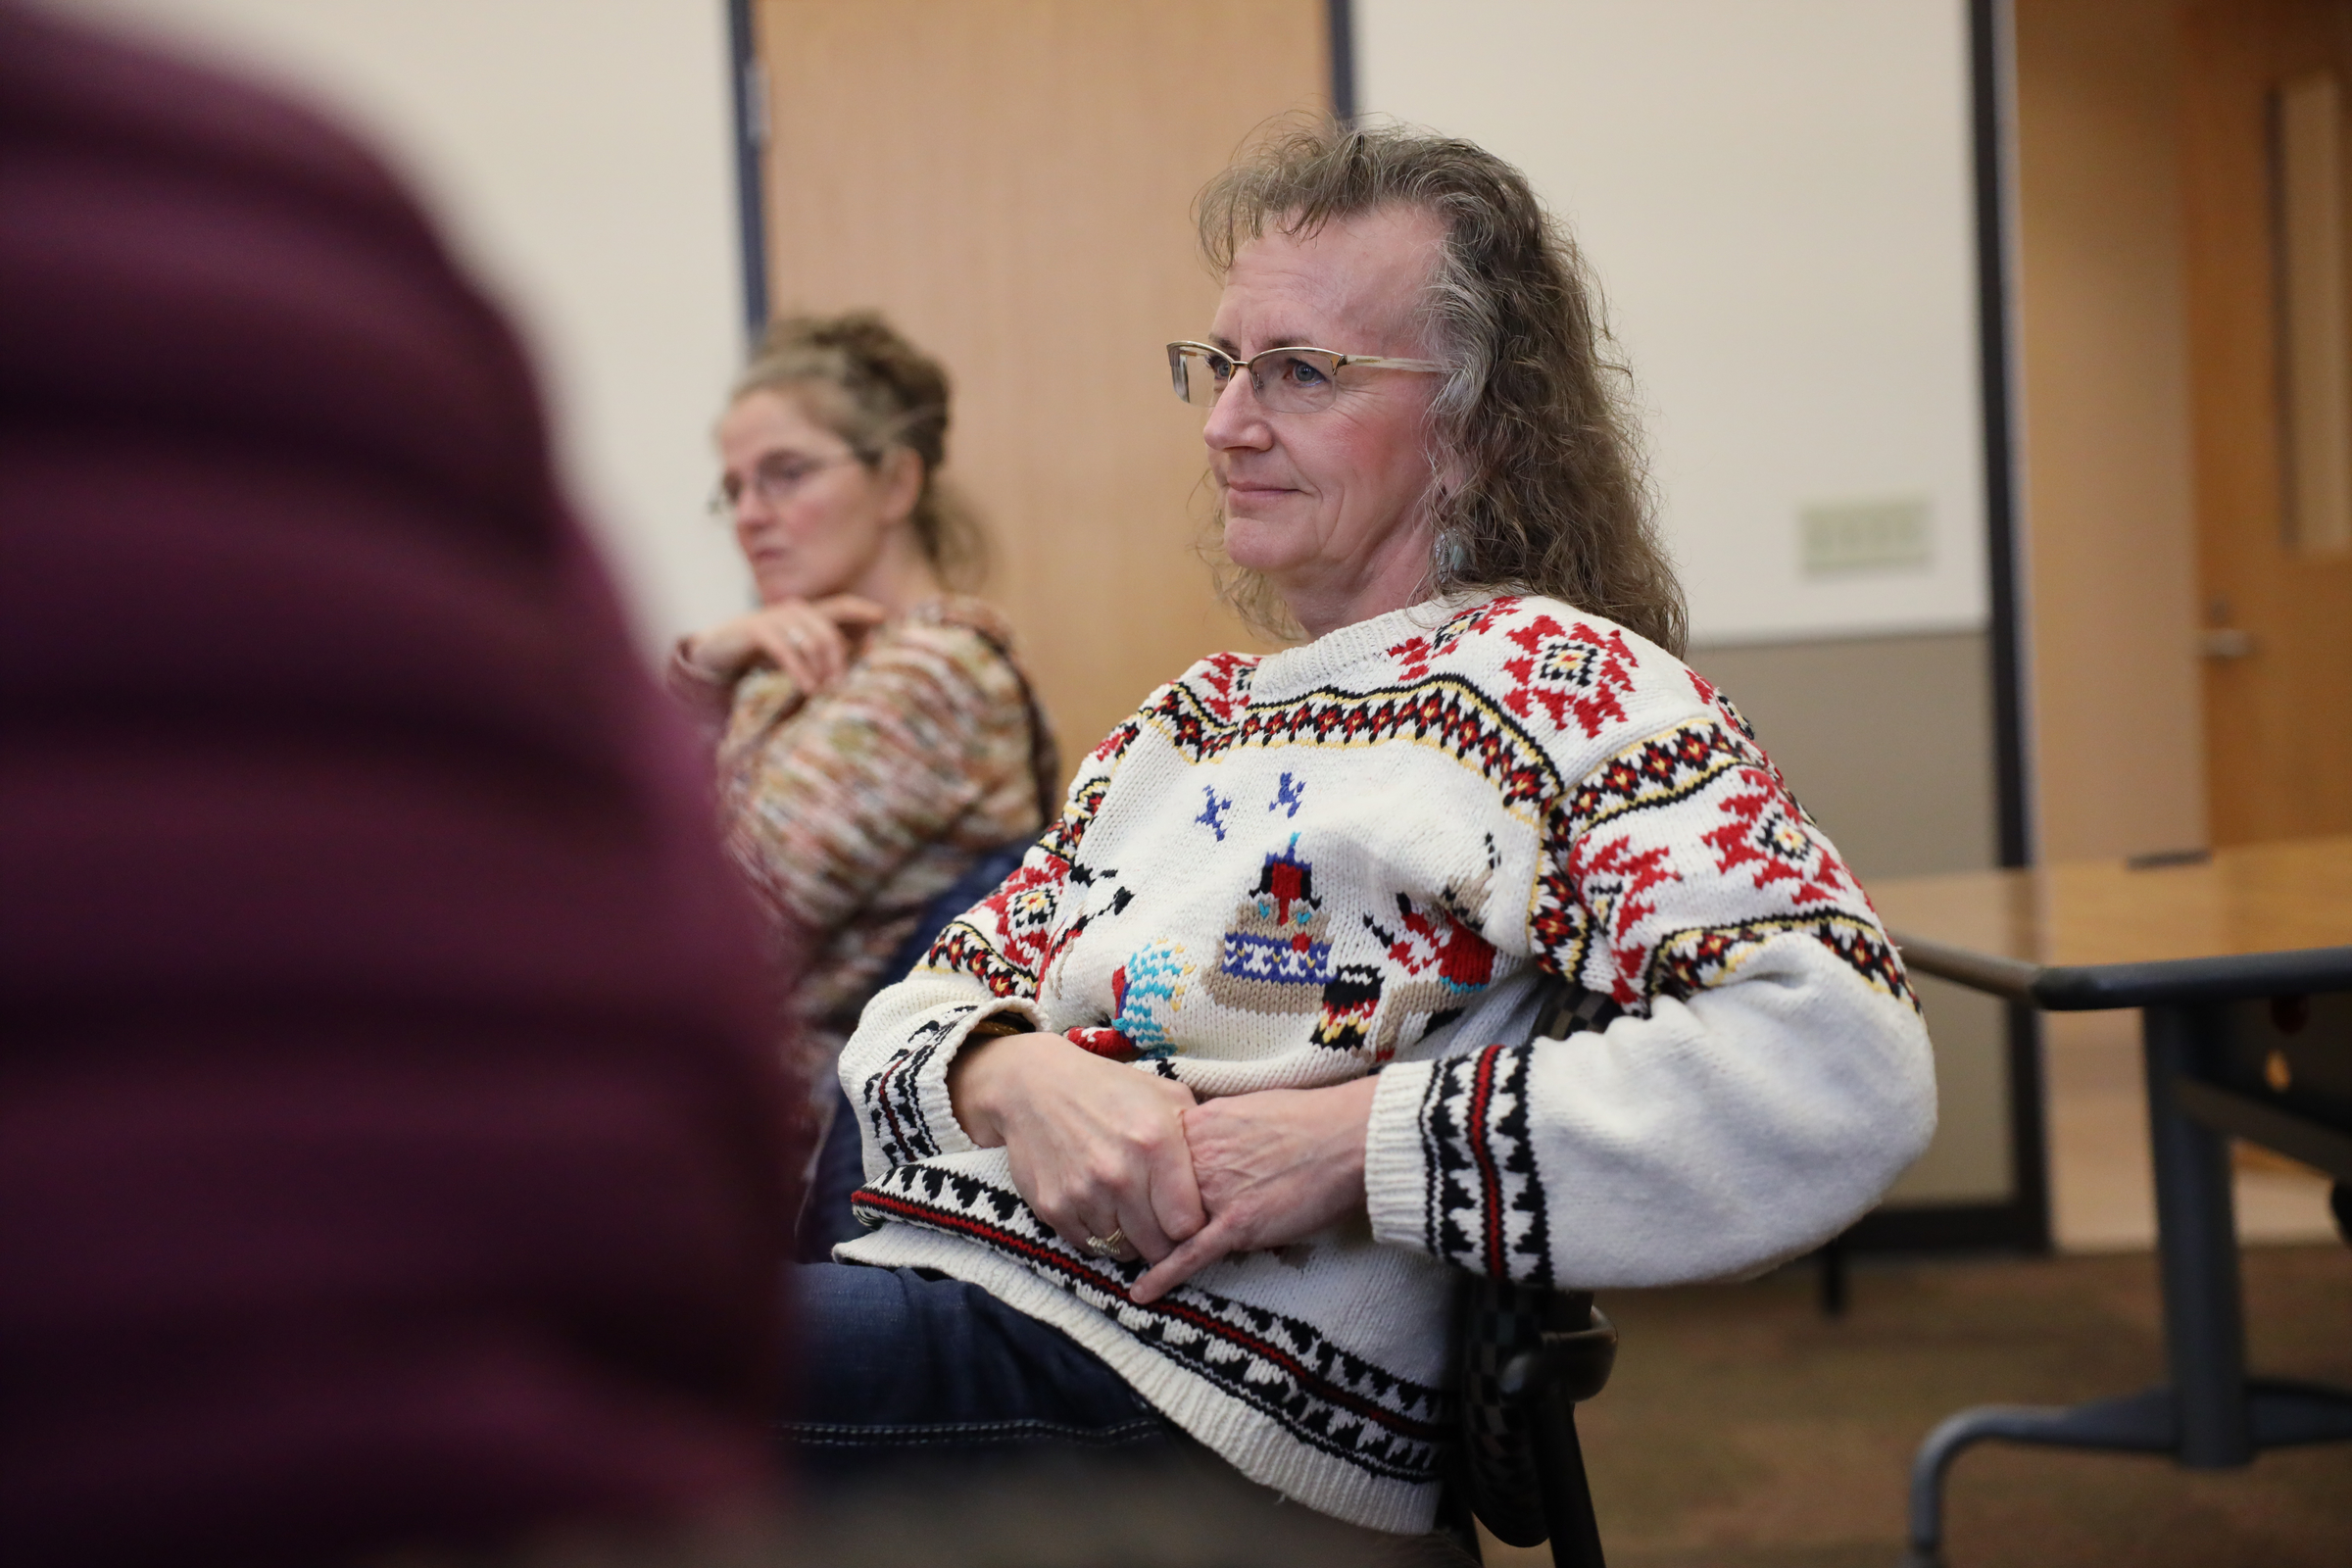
(1302, 373)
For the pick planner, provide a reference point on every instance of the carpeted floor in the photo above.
(1744, 1431)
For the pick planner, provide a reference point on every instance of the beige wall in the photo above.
(2118, 737)
(579, 158)
(1776, 198)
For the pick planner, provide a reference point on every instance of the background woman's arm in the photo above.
(825, 807)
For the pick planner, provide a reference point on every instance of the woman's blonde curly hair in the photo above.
(1540, 489)
(874, 389)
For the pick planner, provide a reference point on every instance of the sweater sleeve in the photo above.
(1762, 1076)
(828, 797)
(985, 964)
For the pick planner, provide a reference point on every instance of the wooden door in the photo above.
(2267, 96)
(1011, 181)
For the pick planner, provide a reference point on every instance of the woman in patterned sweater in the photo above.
(876, 736)
(1189, 1124)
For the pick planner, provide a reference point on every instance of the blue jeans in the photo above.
(827, 1221)
(904, 1362)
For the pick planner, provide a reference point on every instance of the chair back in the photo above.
(1528, 1355)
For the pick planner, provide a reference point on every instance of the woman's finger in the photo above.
(1059, 1210)
(773, 646)
(799, 667)
(848, 609)
(1174, 1192)
(1140, 1226)
(820, 643)
(822, 647)
(1212, 1244)
(1095, 1224)
(831, 650)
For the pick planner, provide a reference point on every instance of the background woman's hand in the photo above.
(1273, 1167)
(811, 641)
(1096, 1146)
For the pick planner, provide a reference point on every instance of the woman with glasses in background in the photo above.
(877, 739)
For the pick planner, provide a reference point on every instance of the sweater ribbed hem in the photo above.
(1251, 1443)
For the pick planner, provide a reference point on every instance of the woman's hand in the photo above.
(1096, 1147)
(1273, 1167)
(810, 641)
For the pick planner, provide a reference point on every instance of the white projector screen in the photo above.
(1777, 198)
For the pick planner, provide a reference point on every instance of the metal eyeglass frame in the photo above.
(1178, 350)
(723, 506)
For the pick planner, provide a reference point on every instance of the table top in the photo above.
(2255, 920)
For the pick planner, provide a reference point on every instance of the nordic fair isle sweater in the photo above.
(1289, 871)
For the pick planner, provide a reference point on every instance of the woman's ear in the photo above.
(901, 474)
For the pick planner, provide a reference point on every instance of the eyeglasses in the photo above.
(774, 479)
(1285, 380)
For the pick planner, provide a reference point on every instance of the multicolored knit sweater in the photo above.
(1361, 855)
(851, 810)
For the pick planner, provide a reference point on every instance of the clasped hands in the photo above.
(1097, 1147)
(812, 641)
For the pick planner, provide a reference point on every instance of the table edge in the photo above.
(2089, 987)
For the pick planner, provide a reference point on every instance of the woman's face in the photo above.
(813, 518)
(1328, 504)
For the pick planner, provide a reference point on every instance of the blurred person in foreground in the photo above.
(878, 740)
(1189, 1126)
(389, 1104)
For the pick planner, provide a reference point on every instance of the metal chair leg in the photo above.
(1567, 1492)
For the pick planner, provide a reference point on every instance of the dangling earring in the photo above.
(1448, 554)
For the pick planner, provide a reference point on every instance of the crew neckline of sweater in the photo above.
(1295, 671)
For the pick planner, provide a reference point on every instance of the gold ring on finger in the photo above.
(1109, 1247)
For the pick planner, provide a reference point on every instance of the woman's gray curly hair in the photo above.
(1541, 488)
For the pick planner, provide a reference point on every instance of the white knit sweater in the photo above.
(1356, 856)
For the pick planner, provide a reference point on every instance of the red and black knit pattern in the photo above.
(1486, 1211)
(1443, 712)
(894, 1106)
(1271, 1361)
(1691, 961)
(1772, 869)
(1006, 939)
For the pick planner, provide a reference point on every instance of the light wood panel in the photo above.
(1011, 180)
(2258, 898)
(2117, 731)
(2278, 707)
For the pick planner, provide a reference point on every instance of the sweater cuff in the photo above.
(705, 695)
(934, 1110)
(1395, 1161)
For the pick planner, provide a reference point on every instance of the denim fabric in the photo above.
(908, 1360)
(825, 1218)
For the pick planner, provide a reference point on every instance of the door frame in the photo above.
(747, 82)
(2023, 1221)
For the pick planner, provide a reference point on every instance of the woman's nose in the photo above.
(1236, 419)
